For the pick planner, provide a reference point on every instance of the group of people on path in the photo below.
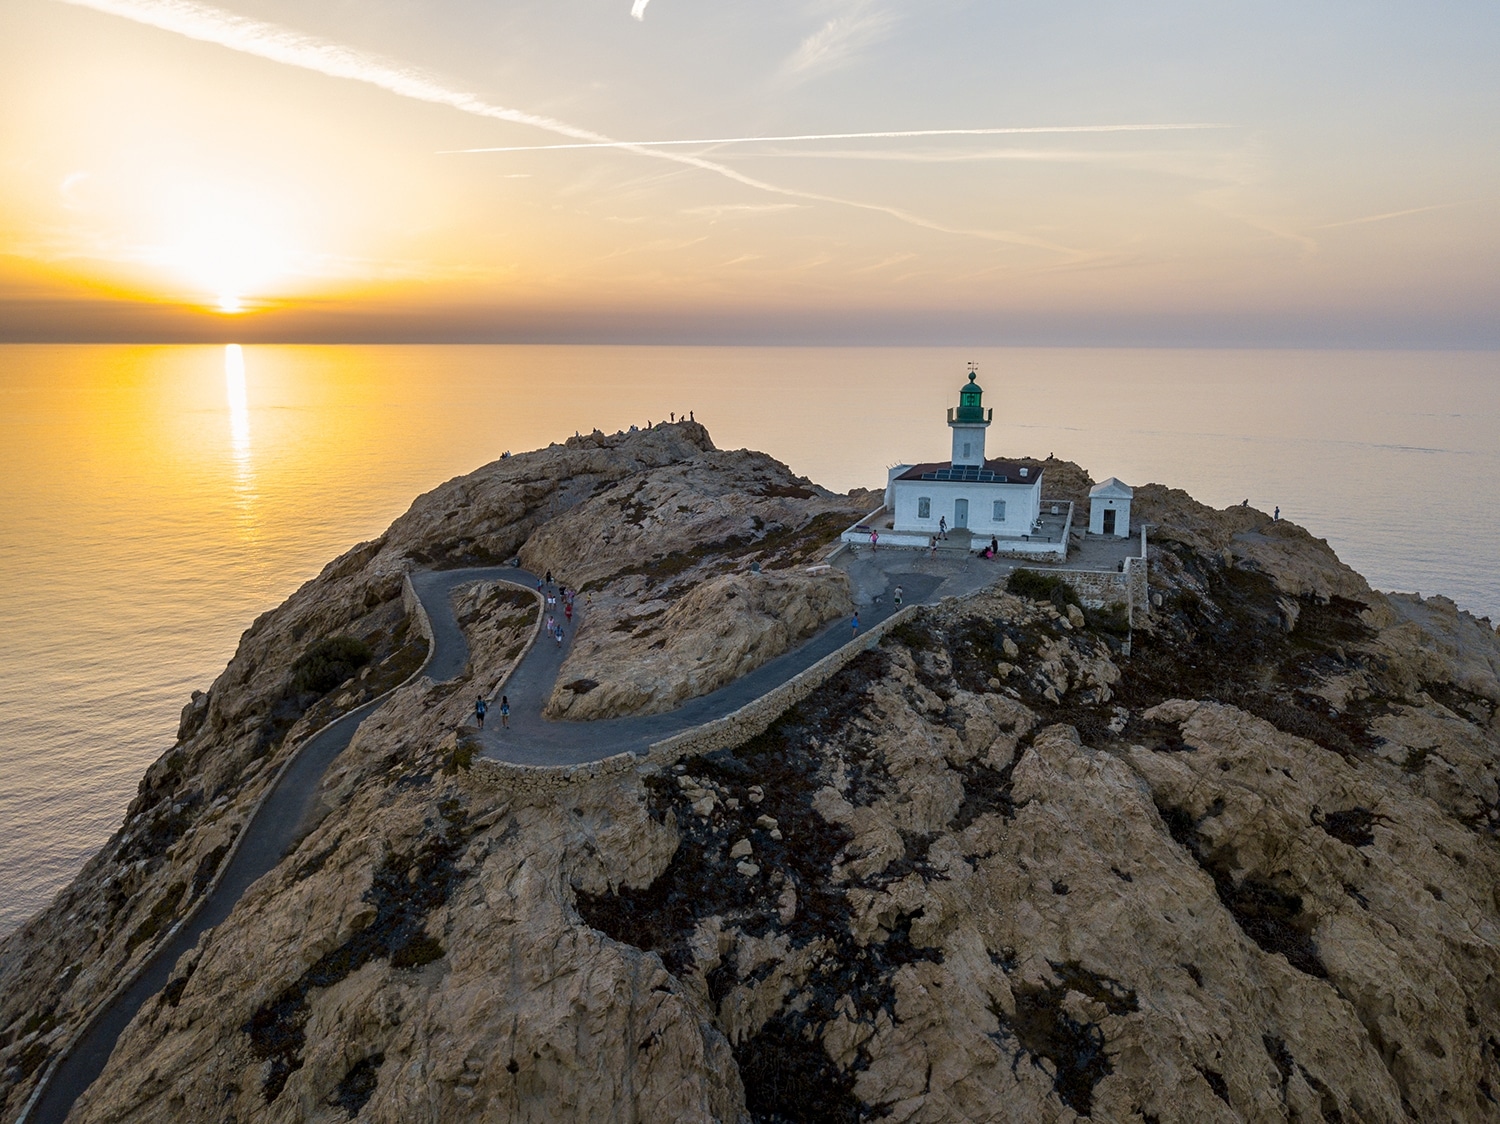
(854, 620)
(481, 708)
(554, 594)
(557, 593)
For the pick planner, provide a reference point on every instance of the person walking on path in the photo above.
(559, 635)
(942, 526)
(568, 611)
(855, 623)
(898, 597)
(549, 577)
(505, 712)
(874, 540)
(932, 547)
(479, 710)
(551, 623)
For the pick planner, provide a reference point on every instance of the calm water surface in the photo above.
(155, 499)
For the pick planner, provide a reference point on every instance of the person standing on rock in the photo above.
(898, 597)
(505, 712)
(479, 711)
(855, 623)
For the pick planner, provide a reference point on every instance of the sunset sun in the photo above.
(228, 255)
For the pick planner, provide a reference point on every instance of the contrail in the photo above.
(886, 134)
(279, 44)
(1391, 215)
(638, 9)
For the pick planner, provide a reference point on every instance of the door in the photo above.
(1109, 522)
(960, 513)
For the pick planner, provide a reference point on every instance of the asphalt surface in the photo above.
(290, 810)
(534, 740)
(283, 820)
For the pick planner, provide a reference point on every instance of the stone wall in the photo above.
(1098, 588)
(417, 611)
(755, 717)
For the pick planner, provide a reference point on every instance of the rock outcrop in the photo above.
(665, 561)
(995, 869)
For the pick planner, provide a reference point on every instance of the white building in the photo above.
(987, 497)
(1109, 508)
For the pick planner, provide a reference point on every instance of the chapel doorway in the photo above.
(960, 513)
(1109, 522)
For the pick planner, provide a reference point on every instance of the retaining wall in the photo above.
(1098, 588)
(417, 611)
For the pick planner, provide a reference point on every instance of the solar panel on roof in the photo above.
(967, 474)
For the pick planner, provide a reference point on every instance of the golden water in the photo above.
(155, 499)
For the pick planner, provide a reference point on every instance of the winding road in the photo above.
(290, 809)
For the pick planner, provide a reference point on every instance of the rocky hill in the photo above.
(996, 869)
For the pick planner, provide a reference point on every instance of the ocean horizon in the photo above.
(162, 496)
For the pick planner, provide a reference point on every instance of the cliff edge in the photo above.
(995, 869)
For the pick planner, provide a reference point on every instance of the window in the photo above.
(924, 507)
(967, 454)
(999, 511)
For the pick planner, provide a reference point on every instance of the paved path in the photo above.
(533, 740)
(290, 809)
(284, 818)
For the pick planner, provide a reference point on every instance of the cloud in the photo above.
(282, 45)
(638, 9)
(838, 41)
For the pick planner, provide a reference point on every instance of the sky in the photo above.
(1113, 173)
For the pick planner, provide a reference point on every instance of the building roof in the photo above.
(993, 472)
(1112, 489)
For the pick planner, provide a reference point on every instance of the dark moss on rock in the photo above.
(1266, 910)
(358, 1085)
(1043, 1030)
(405, 889)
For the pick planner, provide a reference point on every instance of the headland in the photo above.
(1225, 849)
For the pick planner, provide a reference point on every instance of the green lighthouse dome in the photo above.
(969, 409)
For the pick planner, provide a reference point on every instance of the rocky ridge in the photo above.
(235, 737)
(993, 870)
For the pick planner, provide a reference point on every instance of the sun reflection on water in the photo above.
(239, 439)
(239, 408)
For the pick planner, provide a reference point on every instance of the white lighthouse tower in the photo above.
(968, 423)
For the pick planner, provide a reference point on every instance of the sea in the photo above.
(155, 499)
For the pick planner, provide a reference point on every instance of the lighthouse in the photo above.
(968, 422)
